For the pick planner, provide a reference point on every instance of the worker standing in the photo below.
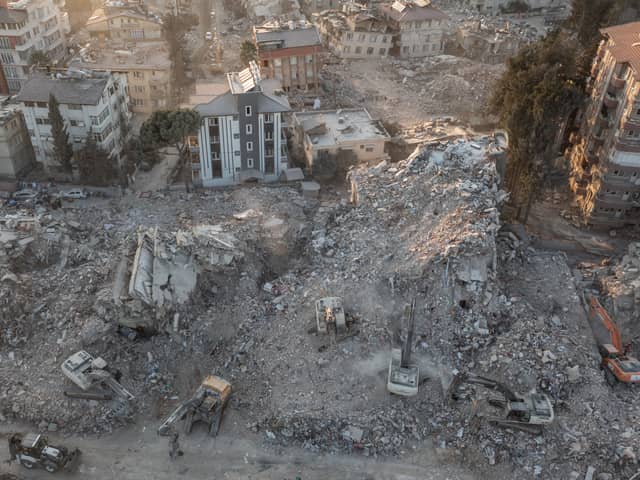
(174, 446)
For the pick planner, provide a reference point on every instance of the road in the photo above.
(138, 453)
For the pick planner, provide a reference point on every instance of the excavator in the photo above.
(618, 366)
(206, 405)
(528, 413)
(403, 375)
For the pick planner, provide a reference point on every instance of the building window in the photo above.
(236, 153)
(41, 104)
(73, 123)
(370, 51)
(434, 47)
(74, 107)
(248, 129)
(373, 38)
(405, 49)
(293, 60)
(249, 162)
(249, 146)
(215, 139)
(268, 118)
(247, 110)
(213, 121)
(362, 37)
(346, 49)
(309, 58)
(358, 50)
(349, 36)
(268, 152)
(384, 39)
(268, 135)
(383, 51)
(368, 149)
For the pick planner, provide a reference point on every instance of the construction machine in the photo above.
(528, 412)
(88, 372)
(207, 405)
(618, 366)
(330, 316)
(403, 375)
(33, 450)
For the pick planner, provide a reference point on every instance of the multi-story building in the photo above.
(147, 66)
(418, 28)
(16, 153)
(28, 26)
(241, 137)
(334, 140)
(290, 53)
(497, 6)
(355, 35)
(96, 102)
(309, 7)
(487, 43)
(124, 23)
(605, 157)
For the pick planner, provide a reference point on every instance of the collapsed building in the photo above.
(486, 43)
(605, 156)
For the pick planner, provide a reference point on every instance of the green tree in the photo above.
(171, 127)
(62, 149)
(39, 59)
(95, 165)
(541, 87)
(248, 52)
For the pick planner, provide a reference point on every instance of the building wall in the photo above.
(605, 157)
(355, 44)
(294, 67)
(420, 39)
(125, 28)
(16, 153)
(149, 90)
(44, 30)
(494, 6)
(103, 119)
(365, 150)
(222, 151)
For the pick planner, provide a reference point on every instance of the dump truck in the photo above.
(33, 450)
(403, 376)
(529, 412)
(618, 365)
(207, 405)
(88, 372)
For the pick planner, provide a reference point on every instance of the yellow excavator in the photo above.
(207, 405)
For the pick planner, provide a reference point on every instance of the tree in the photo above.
(95, 165)
(536, 95)
(62, 149)
(248, 52)
(39, 59)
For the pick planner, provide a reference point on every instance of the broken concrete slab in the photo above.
(310, 189)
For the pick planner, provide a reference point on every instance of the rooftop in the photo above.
(75, 91)
(143, 56)
(625, 43)
(418, 10)
(106, 13)
(245, 80)
(332, 127)
(356, 21)
(289, 35)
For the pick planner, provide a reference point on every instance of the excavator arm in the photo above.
(489, 383)
(180, 412)
(597, 312)
(406, 351)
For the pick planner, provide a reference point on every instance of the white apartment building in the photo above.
(97, 102)
(27, 26)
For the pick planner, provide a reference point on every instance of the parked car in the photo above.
(208, 36)
(75, 194)
(25, 195)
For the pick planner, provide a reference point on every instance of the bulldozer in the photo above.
(403, 375)
(530, 412)
(618, 365)
(207, 405)
(33, 450)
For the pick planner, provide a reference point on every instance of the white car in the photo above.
(76, 194)
(25, 195)
(208, 36)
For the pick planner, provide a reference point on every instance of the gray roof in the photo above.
(300, 37)
(73, 91)
(12, 15)
(227, 104)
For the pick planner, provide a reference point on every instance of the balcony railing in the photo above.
(617, 82)
(610, 101)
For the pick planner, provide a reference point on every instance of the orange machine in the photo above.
(617, 365)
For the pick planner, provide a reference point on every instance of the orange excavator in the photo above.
(617, 364)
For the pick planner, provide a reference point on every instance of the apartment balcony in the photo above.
(627, 145)
(598, 139)
(610, 101)
(602, 121)
(617, 82)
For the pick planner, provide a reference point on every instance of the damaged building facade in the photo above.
(418, 28)
(605, 157)
(241, 137)
(497, 6)
(16, 152)
(337, 139)
(356, 34)
(290, 52)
